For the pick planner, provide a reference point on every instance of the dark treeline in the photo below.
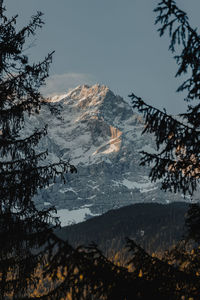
(156, 227)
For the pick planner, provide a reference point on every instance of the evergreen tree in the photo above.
(176, 162)
(24, 230)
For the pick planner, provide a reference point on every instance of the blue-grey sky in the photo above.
(111, 42)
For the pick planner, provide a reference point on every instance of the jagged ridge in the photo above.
(101, 135)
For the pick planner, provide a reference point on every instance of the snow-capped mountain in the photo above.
(101, 136)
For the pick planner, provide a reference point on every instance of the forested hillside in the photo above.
(155, 226)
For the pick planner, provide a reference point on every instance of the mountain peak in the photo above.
(88, 91)
(86, 97)
(101, 135)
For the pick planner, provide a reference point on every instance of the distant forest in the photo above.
(156, 227)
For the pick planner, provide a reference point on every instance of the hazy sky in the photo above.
(111, 42)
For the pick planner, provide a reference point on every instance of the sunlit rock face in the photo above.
(101, 136)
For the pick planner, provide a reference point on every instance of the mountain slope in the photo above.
(101, 136)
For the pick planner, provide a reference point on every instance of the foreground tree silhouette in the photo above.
(24, 231)
(177, 160)
(176, 163)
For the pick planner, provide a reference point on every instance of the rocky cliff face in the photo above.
(101, 136)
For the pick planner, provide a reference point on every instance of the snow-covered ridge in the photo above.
(101, 136)
(56, 98)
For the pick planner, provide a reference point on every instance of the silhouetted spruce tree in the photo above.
(176, 162)
(26, 234)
